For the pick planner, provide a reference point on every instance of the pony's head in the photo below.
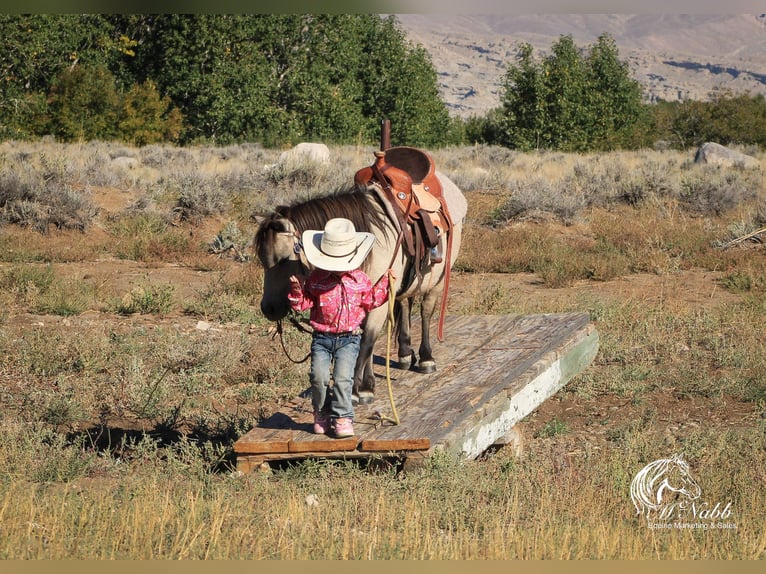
(277, 244)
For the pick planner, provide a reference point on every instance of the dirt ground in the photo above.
(588, 422)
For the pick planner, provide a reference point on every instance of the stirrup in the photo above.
(436, 251)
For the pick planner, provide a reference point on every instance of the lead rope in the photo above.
(389, 329)
(391, 295)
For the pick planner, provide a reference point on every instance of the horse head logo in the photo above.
(658, 481)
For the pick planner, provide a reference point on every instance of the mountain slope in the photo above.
(673, 56)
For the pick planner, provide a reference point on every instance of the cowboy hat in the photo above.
(340, 247)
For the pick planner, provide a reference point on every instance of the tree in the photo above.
(726, 118)
(146, 118)
(614, 105)
(566, 93)
(273, 78)
(35, 49)
(84, 104)
(567, 100)
(738, 119)
(524, 121)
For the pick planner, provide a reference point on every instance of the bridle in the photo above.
(297, 255)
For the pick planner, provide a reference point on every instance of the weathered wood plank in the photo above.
(306, 442)
(373, 445)
(461, 388)
(260, 441)
(492, 372)
(274, 433)
(464, 336)
(481, 428)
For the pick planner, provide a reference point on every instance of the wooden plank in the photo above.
(260, 441)
(465, 335)
(306, 442)
(492, 371)
(273, 434)
(476, 432)
(334, 454)
(461, 388)
(391, 445)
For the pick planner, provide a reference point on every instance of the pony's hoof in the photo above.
(427, 367)
(405, 362)
(366, 397)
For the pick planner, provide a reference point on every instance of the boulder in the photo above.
(311, 152)
(125, 162)
(716, 154)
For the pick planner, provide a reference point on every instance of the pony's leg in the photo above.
(363, 390)
(403, 336)
(427, 307)
(365, 383)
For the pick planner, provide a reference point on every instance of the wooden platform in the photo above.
(492, 371)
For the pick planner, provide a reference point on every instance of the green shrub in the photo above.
(84, 104)
(147, 236)
(552, 428)
(147, 299)
(147, 118)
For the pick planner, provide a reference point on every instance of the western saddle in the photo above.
(406, 178)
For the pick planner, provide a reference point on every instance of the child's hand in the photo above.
(294, 281)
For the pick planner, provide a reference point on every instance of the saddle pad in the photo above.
(457, 205)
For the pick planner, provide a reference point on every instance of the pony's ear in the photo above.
(257, 218)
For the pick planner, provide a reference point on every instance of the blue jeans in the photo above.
(342, 350)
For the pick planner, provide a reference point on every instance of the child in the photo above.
(339, 295)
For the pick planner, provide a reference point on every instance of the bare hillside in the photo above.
(673, 56)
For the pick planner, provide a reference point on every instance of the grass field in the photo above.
(134, 354)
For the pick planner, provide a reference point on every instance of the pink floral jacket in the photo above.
(338, 301)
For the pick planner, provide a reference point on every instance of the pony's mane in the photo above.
(356, 204)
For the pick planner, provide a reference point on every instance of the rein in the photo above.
(297, 249)
(279, 332)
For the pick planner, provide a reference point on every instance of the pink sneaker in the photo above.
(321, 423)
(344, 428)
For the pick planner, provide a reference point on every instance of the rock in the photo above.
(125, 162)
(715, 154)
(312, 152)
(513, 439)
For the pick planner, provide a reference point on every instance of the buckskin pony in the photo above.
(278, 247)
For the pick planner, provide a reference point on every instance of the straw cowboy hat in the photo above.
(340, 247)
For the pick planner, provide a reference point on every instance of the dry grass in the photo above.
(498, 508)
(118, 416)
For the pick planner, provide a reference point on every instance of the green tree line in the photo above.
(280, 79)
(585, 99)
(216, 78)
